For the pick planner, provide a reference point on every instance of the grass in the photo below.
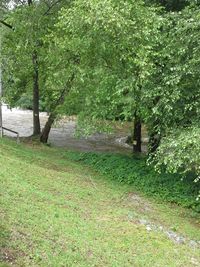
(171, 188)
(58, 212)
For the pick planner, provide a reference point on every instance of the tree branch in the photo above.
(51, 6)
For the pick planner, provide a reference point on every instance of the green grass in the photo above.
(171, 188)
(58, 212)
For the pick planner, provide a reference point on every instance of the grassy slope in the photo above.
(56, 212)
(170, 188)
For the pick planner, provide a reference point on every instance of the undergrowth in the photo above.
(124, 169)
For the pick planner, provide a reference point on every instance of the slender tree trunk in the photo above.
(137, 135)
(46, 130)
(53, 115)
(36, 113)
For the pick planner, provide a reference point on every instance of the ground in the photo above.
(56, 212)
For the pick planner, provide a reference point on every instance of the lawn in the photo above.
(59, 212)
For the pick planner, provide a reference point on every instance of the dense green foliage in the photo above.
(111, 69)
(184, 143)
(128, 170)
(174, 87)
(31, 23)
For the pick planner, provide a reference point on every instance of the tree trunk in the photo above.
(53, 115)
(46, 130)
(137, 135)
(36, 114)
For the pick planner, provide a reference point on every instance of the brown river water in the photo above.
(63, 133)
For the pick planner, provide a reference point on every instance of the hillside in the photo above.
(58, 212)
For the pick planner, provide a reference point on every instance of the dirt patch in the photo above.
(139, 202)
(7, 255)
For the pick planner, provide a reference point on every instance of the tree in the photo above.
(175, 85)
(31, 21)
(111, 68)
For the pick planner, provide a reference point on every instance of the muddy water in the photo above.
(20, 121)
(63, 135)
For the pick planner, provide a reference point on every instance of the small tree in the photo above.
(24, 68)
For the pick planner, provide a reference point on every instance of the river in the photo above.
(63, 135)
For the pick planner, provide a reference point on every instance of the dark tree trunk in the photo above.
(46, 130)
(36, 114)
(137, 135)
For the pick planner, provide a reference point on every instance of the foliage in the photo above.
(86, 125)
(174, 87)
(180, 152)
(17, 64)
(31, 24)
(26, 102)
(172, 5)
(74, 102)
(168, 187)
(111, 68)
(172, 95)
